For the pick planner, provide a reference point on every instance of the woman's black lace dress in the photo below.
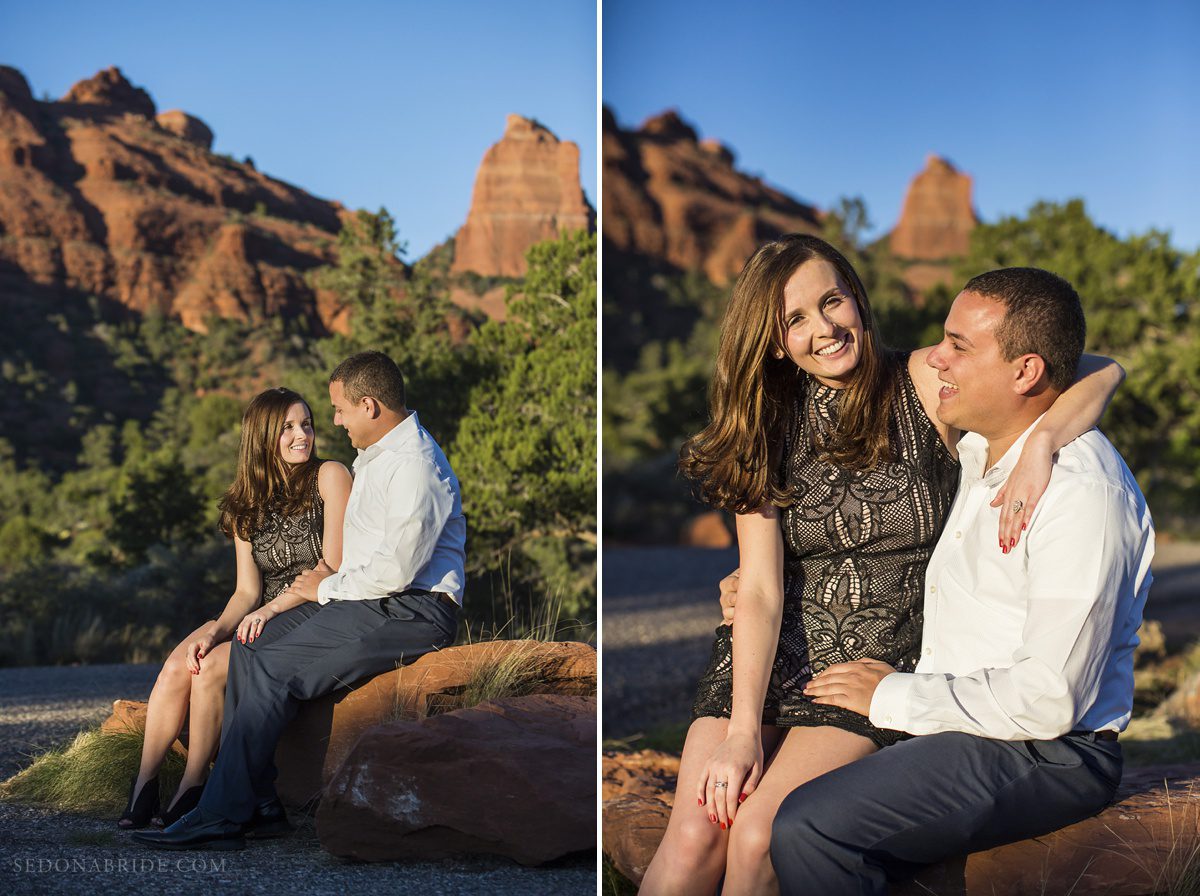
(855, 549)
(285, 546)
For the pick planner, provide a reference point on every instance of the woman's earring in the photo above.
(778, 354)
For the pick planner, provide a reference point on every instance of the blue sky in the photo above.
(1099, 100)
(367, 103)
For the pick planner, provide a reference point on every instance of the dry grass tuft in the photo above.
(91, 775)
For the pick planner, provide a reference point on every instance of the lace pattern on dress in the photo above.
(856, 544)
(285, 546)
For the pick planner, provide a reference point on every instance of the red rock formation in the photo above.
(527, 190)
(97, 197)
(513, 777)
(937, 218)
(671, 197)
(110, 90)
(188, 127)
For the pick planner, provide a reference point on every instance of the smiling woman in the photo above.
(284, 513)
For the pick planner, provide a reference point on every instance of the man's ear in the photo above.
(371, 406)
(1031, 377)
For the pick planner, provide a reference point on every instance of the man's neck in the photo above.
(387, 423)
(999, 443)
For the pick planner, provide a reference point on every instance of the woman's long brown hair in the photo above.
(735, 459)
(265, 482)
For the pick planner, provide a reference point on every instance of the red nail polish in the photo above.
(1012, 542)
(699, 801)
(722, 825)
(742, 798)
(712, 818)
(1022, 527)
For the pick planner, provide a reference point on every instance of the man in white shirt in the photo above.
(395, 597)
(1026, 671)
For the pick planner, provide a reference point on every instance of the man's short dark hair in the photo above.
(373, 375)
(1043, 316)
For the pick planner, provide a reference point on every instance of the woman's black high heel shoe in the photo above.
(185, 804)
(142, 806)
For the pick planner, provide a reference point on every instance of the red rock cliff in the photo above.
(527, 190)
(98, 197)
(680, 200)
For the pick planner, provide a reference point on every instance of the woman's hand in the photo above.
(198, 648)
(252, 623)
(731, 774)
(1022, 490)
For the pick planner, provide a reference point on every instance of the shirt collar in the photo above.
(973, 451)
(398, 435)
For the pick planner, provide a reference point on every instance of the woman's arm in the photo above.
(739, 760)
(333, 482)
(245, 597)
(1073, 413)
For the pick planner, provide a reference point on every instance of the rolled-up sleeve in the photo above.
(418, 504)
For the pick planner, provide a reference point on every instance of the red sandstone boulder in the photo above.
(1137, 847)
(188, 127)
(637, 793)
(707, 530)
(513, 777)
(324, 731)
(527, 190)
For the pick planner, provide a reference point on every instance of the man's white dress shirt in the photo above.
(1034, 643)
(404, 523)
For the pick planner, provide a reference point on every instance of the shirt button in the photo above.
(928, 651)
(933, 589)
(958, 534)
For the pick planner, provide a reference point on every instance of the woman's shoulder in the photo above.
(924, 383)
(333, 479)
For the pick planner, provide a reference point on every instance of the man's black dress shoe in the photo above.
(196, 830)
(269, 820)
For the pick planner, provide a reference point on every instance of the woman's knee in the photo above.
(750, 836)
(694, 841)
(175, 672)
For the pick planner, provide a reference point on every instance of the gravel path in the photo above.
(51, 852)
(660, 609)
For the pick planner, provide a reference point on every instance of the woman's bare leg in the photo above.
(204, 717)
(691, 857)
(805, 753)
(166, 709)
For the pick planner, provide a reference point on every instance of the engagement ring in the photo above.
(1017, 505)
(721, 784)
(256, 619)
